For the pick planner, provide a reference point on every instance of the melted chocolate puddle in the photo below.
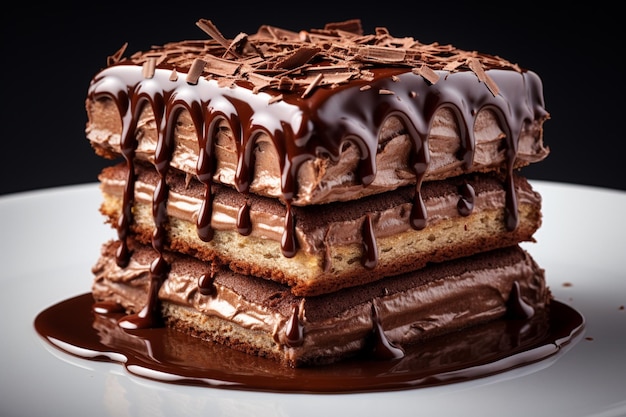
(167, 355)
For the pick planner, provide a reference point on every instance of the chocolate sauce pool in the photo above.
(167, 355)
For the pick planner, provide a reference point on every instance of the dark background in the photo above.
(50, 52)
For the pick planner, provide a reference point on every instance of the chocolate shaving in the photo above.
(272, 33)
(195, 71)
(299, 62)
(260, 82)
(242, 47)
(316, 81)
(148, 68)
(367, 75)
(285, 84)
(475, 65)
(211, 30)
(298, 58)
(222, 67)
(331, 75)
(225, 82)
(117, 56)
(427, 73)
(381, 54)
(275, 99)
(452, 66)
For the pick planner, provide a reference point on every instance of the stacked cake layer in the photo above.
(289, 193)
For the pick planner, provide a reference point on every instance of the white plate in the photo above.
(51, 238)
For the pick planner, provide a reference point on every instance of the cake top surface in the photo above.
(286, 61)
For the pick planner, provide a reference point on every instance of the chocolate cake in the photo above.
(289, 194)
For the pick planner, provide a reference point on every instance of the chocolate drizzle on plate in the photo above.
(170, 356)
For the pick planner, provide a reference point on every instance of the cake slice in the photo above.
(309, 196)
(265, 318)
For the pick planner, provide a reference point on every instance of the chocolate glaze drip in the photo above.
(288, 242)
(466, 202)
(517, 308)
(205, 167)
(165, 117)
(205, 284)
(382, 348)
(244, 224)
(128, 144)
(206, 281)
(294, 330)
(370, 249)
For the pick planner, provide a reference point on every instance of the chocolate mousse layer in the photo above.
(337, 245)
(265, 318)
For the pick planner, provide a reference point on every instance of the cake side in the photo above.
(339, 245)
(257, 316)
